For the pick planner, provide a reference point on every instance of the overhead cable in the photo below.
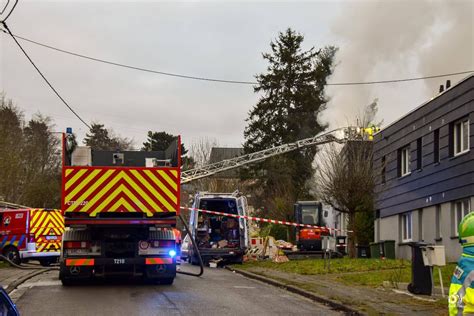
(4, 19)
(355, 83)
(41, 74)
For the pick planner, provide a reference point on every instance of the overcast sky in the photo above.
(377, 41)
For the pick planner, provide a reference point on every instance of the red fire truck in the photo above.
(120, 209)
(28, 234)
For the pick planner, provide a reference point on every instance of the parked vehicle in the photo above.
(7, 307)
(185, 246)
(31, 234)
(310, 213)
(120, 211)
(218, 236)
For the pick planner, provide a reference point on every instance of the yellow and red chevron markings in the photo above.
(158, 261)
(47, 223)
(79, 262)
(104, 189)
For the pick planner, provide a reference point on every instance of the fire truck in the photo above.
(31, 234)
(120, 210)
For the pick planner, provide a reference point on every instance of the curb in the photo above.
(12, 286)
(299, 291)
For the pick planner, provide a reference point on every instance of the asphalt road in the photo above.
(217, 292)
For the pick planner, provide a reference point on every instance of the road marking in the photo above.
(243, 287)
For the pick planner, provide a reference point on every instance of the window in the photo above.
(382, 171)
(438, 222)
(420, 225)
(419, 157)
(406, 227)
(461, 209)
(436, 146)
(460, 137)
(404, 161)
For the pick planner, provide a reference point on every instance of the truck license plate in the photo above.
(49, 237)
(119, 261)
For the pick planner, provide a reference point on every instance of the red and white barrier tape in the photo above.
(266, 220)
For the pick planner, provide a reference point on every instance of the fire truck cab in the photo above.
(31, 234)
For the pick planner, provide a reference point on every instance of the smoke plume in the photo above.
(381, 40)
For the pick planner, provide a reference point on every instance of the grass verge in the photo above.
(366, 272)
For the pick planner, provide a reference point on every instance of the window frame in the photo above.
(383, 169)
(436, 153)
(407, 227)
(438, 221)
(463, 210)
(461, 133)
(404, 161)
(419, 153)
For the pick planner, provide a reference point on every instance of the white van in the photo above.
(218, 236)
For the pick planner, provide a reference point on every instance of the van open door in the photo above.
(243, 226)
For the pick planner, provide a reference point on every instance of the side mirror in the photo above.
(326, 213)
(6, 305)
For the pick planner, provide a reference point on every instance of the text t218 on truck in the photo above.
(31, 234)
(120, 209)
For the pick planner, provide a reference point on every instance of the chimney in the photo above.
(448, 84)
(441, 88)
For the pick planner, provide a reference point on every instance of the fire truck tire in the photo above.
(12, 254)
(67, 282)
(166, 281)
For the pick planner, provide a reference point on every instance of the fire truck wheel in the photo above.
(67, 282)
(166, 281)
(12, 254)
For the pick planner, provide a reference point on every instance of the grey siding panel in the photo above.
(451, 178)
(434, 187)
(405, 206)
(431, 174)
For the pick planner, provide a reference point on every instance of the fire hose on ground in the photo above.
(13, 264)
(193, 241)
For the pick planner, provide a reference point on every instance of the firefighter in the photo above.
(461, 292)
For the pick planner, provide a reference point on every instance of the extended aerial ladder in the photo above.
(340, 135)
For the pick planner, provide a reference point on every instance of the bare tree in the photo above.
(201, 150)
(345, 179)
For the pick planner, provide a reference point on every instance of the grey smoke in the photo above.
(396, 39)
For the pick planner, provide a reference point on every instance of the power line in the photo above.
(399, 80)
(41, 74)
(133, 67)
(355, 83)
(9, 13)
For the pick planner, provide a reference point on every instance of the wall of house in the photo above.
(431, 184)
(423, 229)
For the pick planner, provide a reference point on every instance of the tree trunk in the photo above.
(351, 236)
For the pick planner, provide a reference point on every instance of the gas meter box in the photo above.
(434, 256)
